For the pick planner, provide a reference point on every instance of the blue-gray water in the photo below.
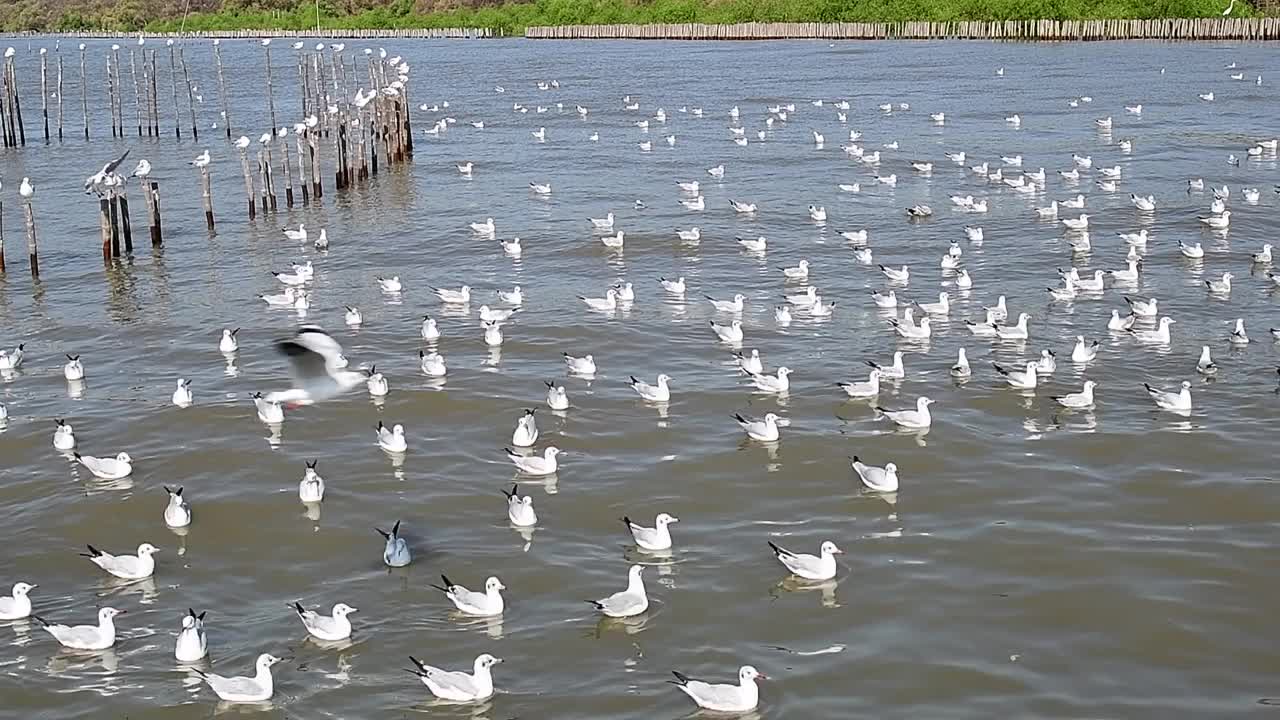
(1036, 563)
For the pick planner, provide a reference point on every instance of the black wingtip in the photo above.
(395, 529)
(447, 582)
(297, 606)
(777, 550)
(514, 490)
(40, 620)
(681, 678)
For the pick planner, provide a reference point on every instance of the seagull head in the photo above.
(487, 661)
(342, 610)
(665, 519)
(147, 549)
(829, 548)
(124, 458)
(21, 589)
(750, 674)
(493, 584)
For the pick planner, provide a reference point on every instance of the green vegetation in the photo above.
(513, 17)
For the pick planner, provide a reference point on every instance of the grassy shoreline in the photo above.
(511, 18)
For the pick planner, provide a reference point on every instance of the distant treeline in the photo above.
(513, 17)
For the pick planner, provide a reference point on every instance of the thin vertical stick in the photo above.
(59, 95)
(155, 97)
(153, 203)
(33, 253)
(111, 97)
(248, 181)
(271, 101)
(303, 77)
(126, 227)
(1, 236)
(206, 194)
(17, 102)
(317, 190)
(173, 81)
(288, 169)
(104, 227)
(269, 175)
(137, 91)
(117, 95)
(114, 204)
(263, 189)
(302, 163)
(84, 94)
(222, 88)
(191, 100)
(44, 91)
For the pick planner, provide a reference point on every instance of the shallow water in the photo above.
(1036, 563)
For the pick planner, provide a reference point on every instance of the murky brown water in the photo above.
(1115, 563)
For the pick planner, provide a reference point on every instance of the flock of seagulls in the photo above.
(321, 372)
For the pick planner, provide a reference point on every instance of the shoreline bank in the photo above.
(1169, 29)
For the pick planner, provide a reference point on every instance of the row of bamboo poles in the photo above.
(418, 33)
(1218, 28)
(362, 130)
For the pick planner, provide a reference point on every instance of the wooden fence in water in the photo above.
(1267, 28)
(417, 33)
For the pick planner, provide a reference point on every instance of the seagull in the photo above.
(557, 398)
(810, 567)
(1015, 332)
(1083, 353)
(396, 553)
(1177, 401)
(728, 306)
(675, 287)
(1238, 336)
(877, 479)
(740, 698)
(627, 603)
(121, 466)
(317, 367)
(1079, 400)
(461, 296)
(520, 508)
(917, 419)
(961, 369)
(1218, 222)
(654, 538)
(1143, 308)
(1119, 324)
(177, 513)
(764, 429)
(1019, 379)
(1220, 287)
(142, 170)
(1159, 336)
(778, 385)
(326, 627)
(744, 208)
(486, 604)
(1264, 256)
(526, 432)
(391, 439)
(1205, 365)
(125, 567)
(484, 228)
(192, 644)
(74, 369)
(25, 189)
(311, 487)
(896, 371)
(659, 392)
(92, 182)
(256, 689)
(63, 438)
(604, 223)
(85, 637)
(750, 364)
(536, 465)
(919, 331)
(17, 605)
(458, 686)
(390, 285)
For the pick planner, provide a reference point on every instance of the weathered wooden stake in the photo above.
(44, 90)
(137, 91)
(222, 88)
(269, 174)
(153, 205)
(248, 182)
(104, 227)
(111, 97)
(17, 104)
(155, 97)
(262, 180)
(59, 95)
(84, 94)
(173, 81)
(191, 99)
(288, 168)
(117, 96)
(317, 190)
(271, 101)
(114, 204)
(33, 253)
(206, 195)
(1, 236)
(126, 226)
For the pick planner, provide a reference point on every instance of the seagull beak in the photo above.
(761, 676)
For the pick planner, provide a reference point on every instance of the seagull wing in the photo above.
(111, 166)
(312, 355)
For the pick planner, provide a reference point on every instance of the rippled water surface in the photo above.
(1115, 563)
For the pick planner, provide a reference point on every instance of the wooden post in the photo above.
(317, 190)
(298, 131)
(206, 195)
(1, 236)
(153, 205)
(288, 167)
(126, 227)
(84, 94)
(17, 102)
(44, 91)
(268, 175)
(173, 82)
(137, 91)
(248, 182)
(222, 88)
(111, 97)
(262, 180)
(191, 100)
(339, 174)
(155, 97)
(59, 95)
(117, 95)
(33, 253)
(104, 227)
(303, 77)
(271, 102)
(114, 204)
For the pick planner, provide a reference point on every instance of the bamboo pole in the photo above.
(248, 176)
(137, 91)
(191, 100)
(317, 190)
(298, 136)
(268, 174)
(104, 227)
(153, 206)
(222, 88)
(126, 226)
(155, 97)
(206, 194)
(17, 102)
(283, 136)
(271, 102)
(114, 204)
(117, 106)
(59, 95)
(44, 91)
(173, 82)
(1, 236)
(33, 251)
(84, 94)
(111, 97)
